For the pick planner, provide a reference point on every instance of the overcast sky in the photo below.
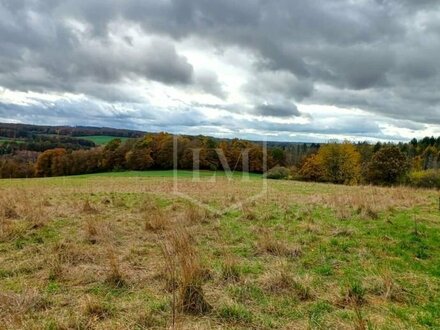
(290, 70)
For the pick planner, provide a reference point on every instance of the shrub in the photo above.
(425, 179)
(278, 173)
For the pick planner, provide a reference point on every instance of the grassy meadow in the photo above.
(122, 251)
(7, 140)
(101, 139)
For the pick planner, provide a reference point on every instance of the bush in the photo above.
(278, 173)
(425, 179)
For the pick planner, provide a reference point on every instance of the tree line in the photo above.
(415, 162)
(25, 131)
(153, 151)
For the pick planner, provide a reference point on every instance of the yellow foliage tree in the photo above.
(341, 163)
(334, 162)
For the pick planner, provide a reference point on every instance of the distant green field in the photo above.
(164, 173)
(102, 139)
(5, 140)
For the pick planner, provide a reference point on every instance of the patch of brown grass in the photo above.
(155, 220)
(248, 212)
(231, 269)
(95, 309)
(281, 281)
(388, 288)
(276, 247)
(193, 214)
(87, 208)
(29, 300)
(91, 230)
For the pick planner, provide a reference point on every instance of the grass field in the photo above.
(166, 174)
(5, 140)
(102, 139)
(121, 251)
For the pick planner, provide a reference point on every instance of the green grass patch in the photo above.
(102, 139)
(167, 174)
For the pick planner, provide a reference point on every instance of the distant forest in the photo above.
(43, 151)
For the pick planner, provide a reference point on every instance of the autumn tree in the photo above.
(139, 158)
(430, 158)
(113, 155)
(163, 152)
(340, 163)
(51, 163)
(388, 166)
(311, 169)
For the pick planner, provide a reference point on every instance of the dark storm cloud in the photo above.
(277, 110)
(378, 55)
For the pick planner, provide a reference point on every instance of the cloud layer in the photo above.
(275, 68)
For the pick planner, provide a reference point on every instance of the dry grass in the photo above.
(87, 208)
(114, 276)
(283, 281)
(128, 254)
(195, 215)
(156, 220)
(184, 267)
(29, 300)
(231, 269)
(91, 229)
(276, 247)
(95, 309)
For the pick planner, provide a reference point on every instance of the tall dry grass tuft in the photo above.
(9, 230)
(281, 281)
(391, 290)
(354, 294)
(55, 265)
(114, 276)
(184, 268)
(91, 230)
(269, 244)
(387, 287)
(360, 323)
(87, 208)
(248, 212)
(95, 309)
(8, 205)
(36, 217)
(231, 269)
(29, 300)
(155, 220)
(193, 214)
(21, 211)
